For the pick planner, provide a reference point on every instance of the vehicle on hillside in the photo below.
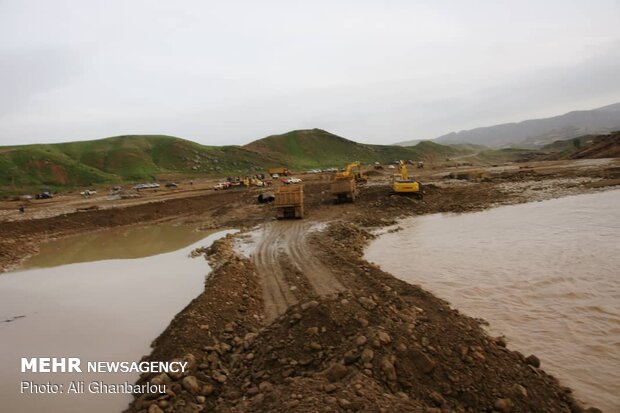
(171, 185)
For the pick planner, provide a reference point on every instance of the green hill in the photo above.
(318, 148)
(150, 157)
(118, 159)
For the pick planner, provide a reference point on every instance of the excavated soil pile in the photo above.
(381, 345)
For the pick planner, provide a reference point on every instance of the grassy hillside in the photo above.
(318, 148)
(490, 156)
(118, 159)
(29, 168)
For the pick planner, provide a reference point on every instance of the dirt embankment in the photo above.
(375, 344)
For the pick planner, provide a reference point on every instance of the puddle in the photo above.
(115, 243)
(104, 310)
(545, 274)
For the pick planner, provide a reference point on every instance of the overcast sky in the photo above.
(229, 72)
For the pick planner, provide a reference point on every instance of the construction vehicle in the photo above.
(289, 202)
(353, 170)
(280, 171)
(344, 190)
(403, 184)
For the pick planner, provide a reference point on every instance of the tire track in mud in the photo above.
(277, 296)
(320, 277)
(289, 238)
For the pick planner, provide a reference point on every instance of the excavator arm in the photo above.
(404, 174)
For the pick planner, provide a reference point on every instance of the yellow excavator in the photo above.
(403, 184)
(349, 173)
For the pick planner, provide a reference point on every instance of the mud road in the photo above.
(283, 243)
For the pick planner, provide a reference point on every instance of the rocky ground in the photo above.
(303, 323)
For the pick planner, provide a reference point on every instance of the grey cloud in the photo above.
(230, 72)
(26, 74)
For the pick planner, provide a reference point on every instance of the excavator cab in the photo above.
(353, 171)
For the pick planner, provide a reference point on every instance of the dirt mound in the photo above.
(381, 345)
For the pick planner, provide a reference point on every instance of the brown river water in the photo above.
(544, 274)
(100, 297)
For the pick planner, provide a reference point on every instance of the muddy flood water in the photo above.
(100, 297)
(545, 274)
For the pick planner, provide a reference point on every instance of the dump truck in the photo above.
(289, 202)
(343, 190)
(280, 171)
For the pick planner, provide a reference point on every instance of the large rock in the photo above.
(265, 387)
(384, 337)
(336, 372)
(190, 383)
(153, 408)
(367, 355)
(162, 378)
(351, 356)
(367, 303)
(422, 362)
(532, 360)
(503, 405)
(387, 365)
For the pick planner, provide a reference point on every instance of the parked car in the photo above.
(44, 195)
(87, 193)
(171, 185)
(222, 185)
(290, 180)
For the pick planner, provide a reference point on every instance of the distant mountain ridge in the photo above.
(535, 133)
